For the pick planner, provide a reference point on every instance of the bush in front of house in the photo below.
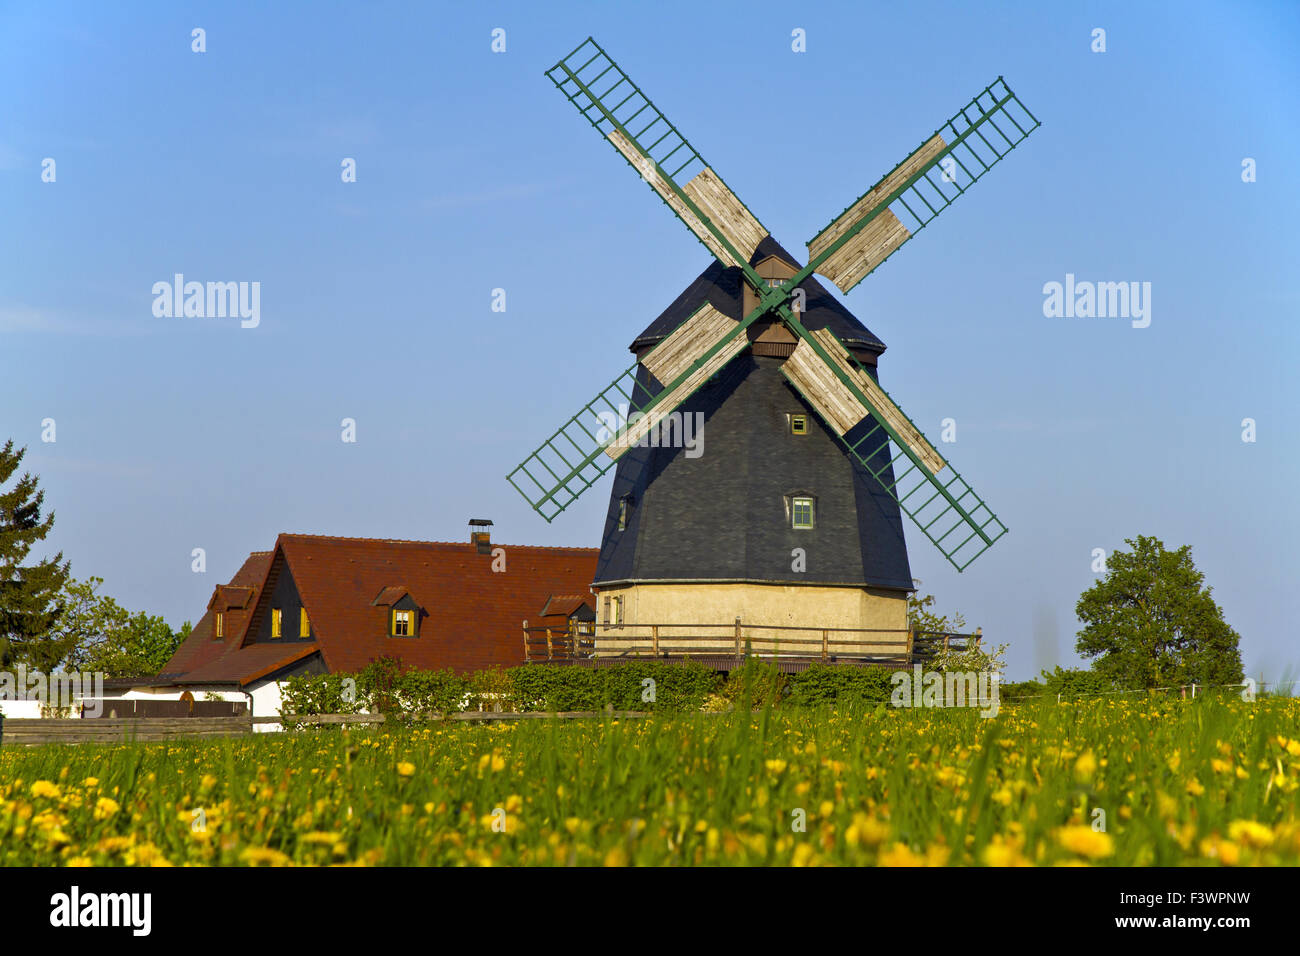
(319, 694)
(659, 685)
(826, 685)
(756, 683)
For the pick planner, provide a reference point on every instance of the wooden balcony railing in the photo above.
(772, 641)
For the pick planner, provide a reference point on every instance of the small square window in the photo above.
(801, 511)
(798, 424)
(402, 621)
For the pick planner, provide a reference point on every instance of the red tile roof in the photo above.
(389, 596)
(201, 647)
(249, 663)
(471, 616)
(227, 596)
(565, 604)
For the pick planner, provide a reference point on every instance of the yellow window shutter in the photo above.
(304, 624)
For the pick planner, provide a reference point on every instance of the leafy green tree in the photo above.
(1073, 682)
(29, 593)
(139, 648)
(1151, 622)
(87, 620)
(104, 637)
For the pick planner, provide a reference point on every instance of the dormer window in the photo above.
(401, 611)
(277, 623)
(219, 626)
(798, 424)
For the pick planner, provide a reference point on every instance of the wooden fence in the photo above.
(111, 730)
(769, 641)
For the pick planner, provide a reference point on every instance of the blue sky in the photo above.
(473, 173)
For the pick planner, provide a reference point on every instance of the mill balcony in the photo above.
(724, 646)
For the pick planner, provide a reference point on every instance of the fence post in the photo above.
(526, 658)
(548, 643)
(737, 638)
(911, 641)
(654, 639)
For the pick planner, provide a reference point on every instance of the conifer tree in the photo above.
(29, 592)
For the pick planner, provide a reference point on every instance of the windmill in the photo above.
(815, 456)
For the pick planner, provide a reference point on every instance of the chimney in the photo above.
(479, 534)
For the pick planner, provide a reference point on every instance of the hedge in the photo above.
(385, 686)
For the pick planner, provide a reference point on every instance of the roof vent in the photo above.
(479, 534)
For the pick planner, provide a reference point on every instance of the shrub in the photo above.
(755, 683)
(822, 684)
(677, 688)
(319, 694)
(1074, 682)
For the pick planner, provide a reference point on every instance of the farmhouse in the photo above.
(315, 604)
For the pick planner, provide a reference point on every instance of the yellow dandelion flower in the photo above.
(105, 807)
(1225, 851)
(900, 855)
(44, 788)
(405, 769)
(775, 766)
(1250, 833)
(803, 855)
(1085, 766)
(259, 855)
(616, 857)
(1085, 841)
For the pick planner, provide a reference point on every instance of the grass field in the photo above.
(1179, 782)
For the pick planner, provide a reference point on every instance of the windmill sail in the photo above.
(861, 413)
(627, 410)
(906, 200)
(600, 90)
